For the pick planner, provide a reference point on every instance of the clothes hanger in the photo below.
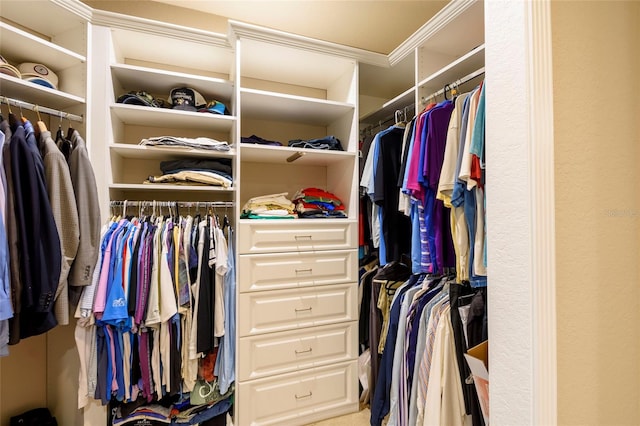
(225, 222)
(70, 130)
(446, 87)
(13, 121)
(40, 126)
(399, 119)
(63, 143)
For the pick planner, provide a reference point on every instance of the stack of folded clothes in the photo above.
(271, 206)
(328, 142)
(151, 414)
(192, 143)
(257, 140)
(215, 172)
(312, 203)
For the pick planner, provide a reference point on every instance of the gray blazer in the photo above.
(65, 214)
(86, 192)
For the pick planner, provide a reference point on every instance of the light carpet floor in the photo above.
(361, 418)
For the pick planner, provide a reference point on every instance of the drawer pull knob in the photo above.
(302, 237)
(299, 271)
(308, 395)
(305, 351)
(304, 309)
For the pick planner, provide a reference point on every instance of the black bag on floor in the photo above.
(35, 417)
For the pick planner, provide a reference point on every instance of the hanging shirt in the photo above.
(221, 268)
(437, 218)
(395, 226)
(457, 201)
(152, 316)
(444, 403)
(225, 362)
(404, 201)
(205, 338)
(367, 182)
(380, 405)
(394, 392)
(448, 174)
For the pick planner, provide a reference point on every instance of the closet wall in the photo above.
(597, 210)
(42, 370)
(597, 310)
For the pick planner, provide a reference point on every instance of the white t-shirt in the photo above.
(221, 269)
(448, 172)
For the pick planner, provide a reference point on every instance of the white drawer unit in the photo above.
(277, 353)
(298, 235)
(279, 310)
(294, 270)
(300, 398)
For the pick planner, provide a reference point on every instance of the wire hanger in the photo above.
(63, 143)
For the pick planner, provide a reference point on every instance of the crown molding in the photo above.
(76, 7)
(255, 32)
(164, 29)
(439, 21)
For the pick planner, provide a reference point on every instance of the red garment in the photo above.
(321, 194)
(476, 170)
(205, 368)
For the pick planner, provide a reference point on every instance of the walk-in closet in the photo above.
(213, 217)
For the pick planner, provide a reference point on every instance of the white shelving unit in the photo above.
(128, 77)
(55, 35)
(278, 106)
(161, 117)
(132, 66)
(61, 46)
(296, 277)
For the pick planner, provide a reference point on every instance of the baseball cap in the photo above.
(8, 69)
(39, 74)
(215, 107)
(140, 97)
(186, 99)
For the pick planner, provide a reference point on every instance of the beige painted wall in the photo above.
(23, 378)
(597, 129)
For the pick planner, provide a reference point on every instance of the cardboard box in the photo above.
(478, 360)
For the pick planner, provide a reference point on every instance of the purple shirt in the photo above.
(439, 219)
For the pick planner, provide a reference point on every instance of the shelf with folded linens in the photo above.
(298, 156)
(126, 150)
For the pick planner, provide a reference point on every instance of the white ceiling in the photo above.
(378, 26)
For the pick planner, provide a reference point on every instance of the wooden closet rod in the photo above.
(37, 109)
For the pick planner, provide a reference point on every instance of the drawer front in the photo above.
(294, 270)
(280, 310)
(296, 235)
(299, 398)
(276, 353)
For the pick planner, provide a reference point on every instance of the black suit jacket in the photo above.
(38, 239)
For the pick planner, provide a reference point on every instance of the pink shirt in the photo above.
(101, 292)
